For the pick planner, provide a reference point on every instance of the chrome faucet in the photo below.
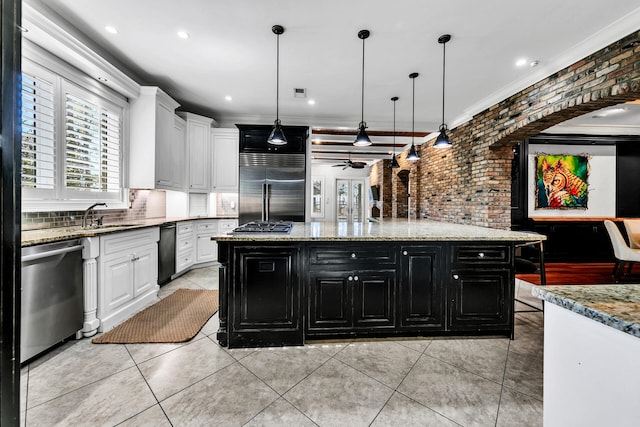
(88, 211)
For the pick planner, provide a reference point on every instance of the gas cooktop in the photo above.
(265, 227)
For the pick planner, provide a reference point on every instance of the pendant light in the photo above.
(413, 154)
(362, 139)
(276, 137)
(443, 140)
(394, 162)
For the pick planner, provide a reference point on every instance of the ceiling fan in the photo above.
(350, 164)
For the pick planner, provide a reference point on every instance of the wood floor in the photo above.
(580, 274)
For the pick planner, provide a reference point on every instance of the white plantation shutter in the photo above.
(92, 146)
(38, 134)
(72, 140)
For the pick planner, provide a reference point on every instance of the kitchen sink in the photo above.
(79, 228)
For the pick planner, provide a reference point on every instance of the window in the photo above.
(38, 142)
(72, 140)
(92, 147)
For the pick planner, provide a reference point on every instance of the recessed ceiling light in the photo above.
(534, 63)
(111, 30)
(183, 34)
(228, 98)
(521, 62)
(311, 102)
(102, 79)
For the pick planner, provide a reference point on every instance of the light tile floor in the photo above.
(406, 382)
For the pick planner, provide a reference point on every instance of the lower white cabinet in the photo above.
(127, 274)
(206, 249)
(185, 251)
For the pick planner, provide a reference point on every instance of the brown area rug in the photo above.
(176, 318)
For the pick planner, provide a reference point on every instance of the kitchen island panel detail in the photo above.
(276, 294)
(265, 297)
(421, 290)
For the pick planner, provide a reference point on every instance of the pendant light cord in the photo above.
(444, 46)
(394, 128)
(278, 77)
(362, 101)
(413, 110)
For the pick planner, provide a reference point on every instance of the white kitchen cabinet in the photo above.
(151, 154)
(198, 140)
(206, 249)
(178, 164)
(184, 246)
(226, 225)
(127, 274)
(224, 161)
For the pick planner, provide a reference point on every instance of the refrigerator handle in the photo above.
(264, 198)
(267, 201)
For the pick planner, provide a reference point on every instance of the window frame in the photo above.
(67, 78)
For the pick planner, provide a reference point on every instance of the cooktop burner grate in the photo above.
(265, 227)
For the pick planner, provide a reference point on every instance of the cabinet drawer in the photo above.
(116, 243)
(500, 254)
(226, 225)
(185, 228)
(184, 243)
(207, 227)
(352, 255)
(184, 259)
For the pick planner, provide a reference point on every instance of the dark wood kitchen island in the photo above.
(392, 278)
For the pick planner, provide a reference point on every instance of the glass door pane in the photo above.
(342, 200)
(357, 209)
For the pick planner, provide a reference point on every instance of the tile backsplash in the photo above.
(144, 204)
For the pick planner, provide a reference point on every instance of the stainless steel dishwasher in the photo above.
(166, 252)
(52, 295)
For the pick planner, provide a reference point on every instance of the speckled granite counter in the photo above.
(48, 235)
(617, 306)
(387, 230)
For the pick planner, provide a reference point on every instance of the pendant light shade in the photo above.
(362, 139)
(413, 154)
(394, 162)
(276, 137)
(443, 140)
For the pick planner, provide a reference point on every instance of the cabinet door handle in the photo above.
(353, 255)
(350, 278)
(355, 278)
(456, 277)
(405, 253)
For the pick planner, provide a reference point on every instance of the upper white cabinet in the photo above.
(152, 148)
(224, 162)
(178, 155)
(198, 137)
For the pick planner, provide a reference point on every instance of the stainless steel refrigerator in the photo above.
(272, 187)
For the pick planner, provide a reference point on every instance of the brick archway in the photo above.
(471, 183)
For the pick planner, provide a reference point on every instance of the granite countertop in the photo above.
(386, 230)
(49, 235)
(617, 305)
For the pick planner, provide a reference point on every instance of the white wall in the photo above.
(330, 175)
(602, 180)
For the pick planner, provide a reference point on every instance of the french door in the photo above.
(350, 200)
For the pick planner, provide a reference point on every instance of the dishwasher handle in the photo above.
(46, 254)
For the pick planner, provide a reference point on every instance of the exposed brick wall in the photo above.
(471, 182)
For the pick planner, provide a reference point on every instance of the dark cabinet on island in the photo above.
(284, 289)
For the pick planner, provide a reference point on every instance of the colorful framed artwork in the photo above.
(562, 181)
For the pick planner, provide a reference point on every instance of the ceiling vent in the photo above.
(299, 92)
